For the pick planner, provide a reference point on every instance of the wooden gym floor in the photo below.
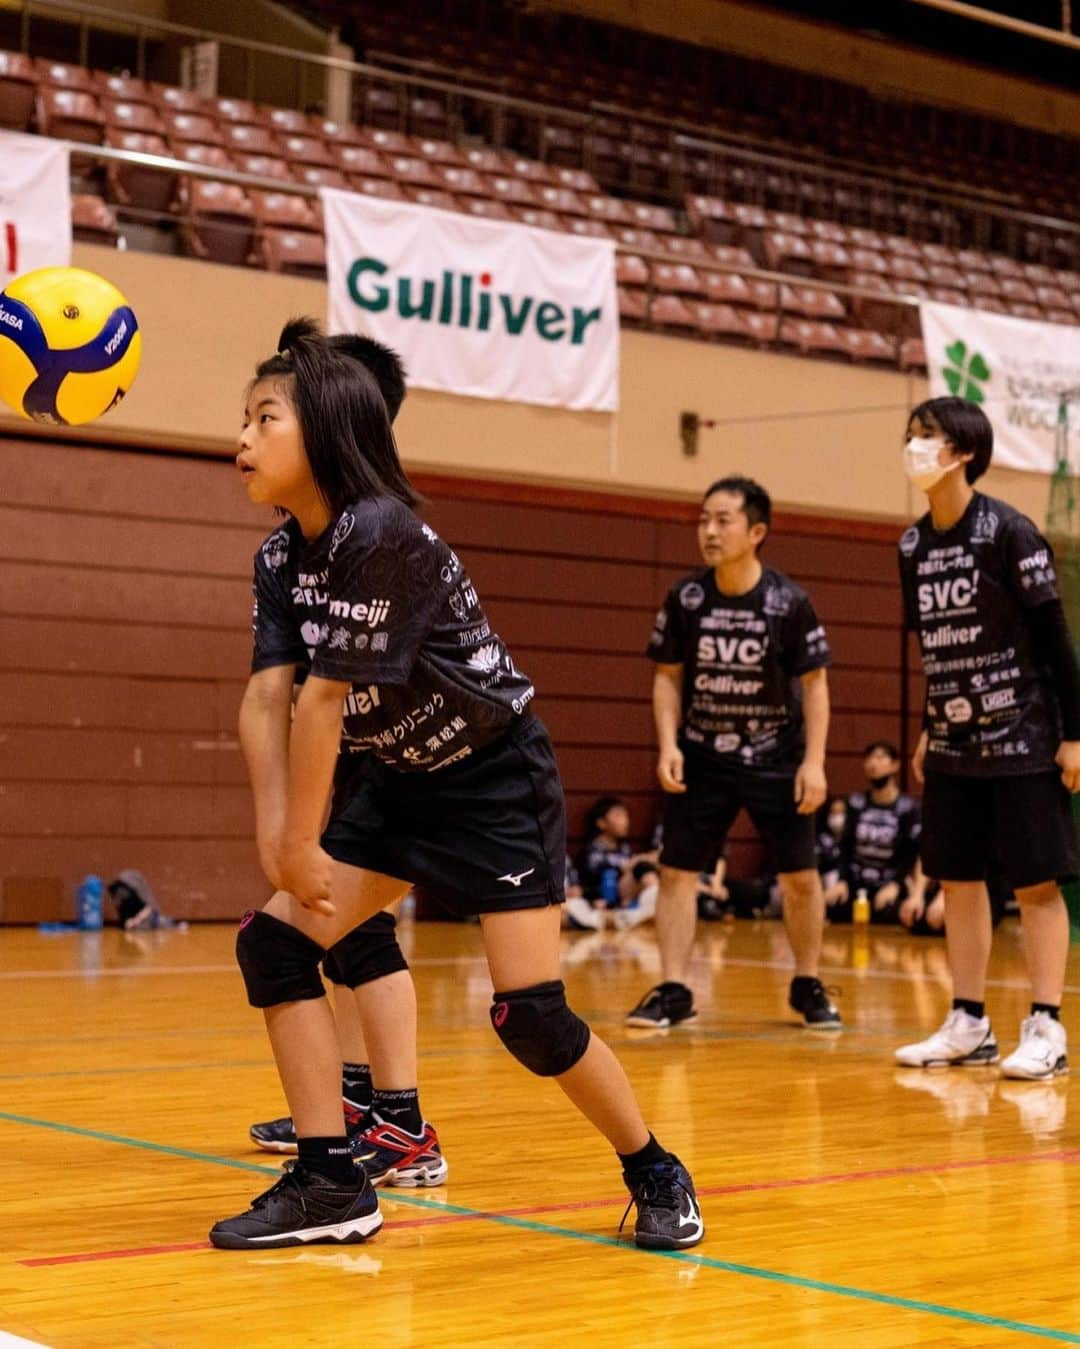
(847, 1203)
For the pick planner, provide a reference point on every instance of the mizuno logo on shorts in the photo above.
(515, 881)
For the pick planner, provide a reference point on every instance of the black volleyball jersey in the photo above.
(990, 708)
(880, 843)
(379, 600)
(742, 656)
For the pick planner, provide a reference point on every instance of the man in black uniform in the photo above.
(1000, 748)
(879, 849)
(741, 703)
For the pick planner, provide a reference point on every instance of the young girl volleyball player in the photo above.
(415, 715)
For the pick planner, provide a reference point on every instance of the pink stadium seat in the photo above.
(191, 126)
(376, 187)
(676, 278)
(428, 117)
(811, 337)
(337, 133)
(1039, 274)
(441, 152)
(133, 184)
(249, 140)
(514, 191)
(717, 319)
(631, 270)
(864, 345)
(171, 99)
(712, 218)
(659, 218)
(683, 246)
(298, 253)
(633, 305)
(1023, 311)
(577, 180)
(787, 253)
(610, 209)
(142, 117)
(58, 75)
(587, 228)
(18, 84)
(1017, 289)
(121, 88)
(264, 166)
(559, 199)
(486, 208)
(218, 223)
(939, 255)
(385, 141)
(431, 196)
(787, 223)
(235, 110)
(971, 260)
(92, 220)
(730, 255)
(381, 107)
(869, 262)
(669, 311)
(1006, 267)
(1063, 316)
(906, 269)
(812, 302)
(415, 172)
(461, 181)
(283, 210)
(485, 161)
(67, 114)
(307, 150)
(864, 238)
(948, 295)
(287, 122)
(726, 288)
(761, 328)
(360, 159)
(831, 261)
(900, 245)
(1051, 295)
(313, 176)
(538, 217)
(211, 156)
(829, 232)
(629, 236)
(981, 285)
(559, 145)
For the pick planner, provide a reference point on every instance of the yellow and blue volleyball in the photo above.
(70, 346)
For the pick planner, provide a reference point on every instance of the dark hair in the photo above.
(384, 363)
(598, 810)
(886, 746)
(966, 425)
(757, 504)
(343, 419)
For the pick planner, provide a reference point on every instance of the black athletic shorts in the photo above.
(697, 821)
(489, 831)
(1024, 823)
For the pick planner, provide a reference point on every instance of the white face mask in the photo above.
(836, 824)
(921, 462)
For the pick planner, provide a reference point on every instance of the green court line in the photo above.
(595, 1239)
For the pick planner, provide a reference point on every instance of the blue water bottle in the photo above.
(609, 885)
(90, 903)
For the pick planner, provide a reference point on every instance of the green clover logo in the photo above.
(965, 374)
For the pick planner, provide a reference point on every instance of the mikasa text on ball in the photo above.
(70, 346)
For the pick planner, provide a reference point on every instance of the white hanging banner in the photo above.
(1025, 375)
(35, 205)
(477, 307)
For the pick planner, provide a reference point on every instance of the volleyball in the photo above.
(70, 346)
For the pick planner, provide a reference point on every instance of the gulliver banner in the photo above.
(1026, 376)
(478, 307)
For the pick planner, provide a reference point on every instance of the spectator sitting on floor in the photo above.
(880, 845)
(830, 837)
(613, 876)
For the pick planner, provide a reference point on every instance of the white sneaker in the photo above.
(1041, 1051)
(963, 1041)
(584, 915)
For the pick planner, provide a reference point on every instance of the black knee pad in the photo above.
(539, 1029)
(368, 952)
(278, 962)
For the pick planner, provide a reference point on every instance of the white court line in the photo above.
(14, 1342)
(729, 962)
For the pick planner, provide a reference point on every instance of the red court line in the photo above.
(742, 1187)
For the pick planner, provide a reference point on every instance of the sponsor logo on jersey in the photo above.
(359, 702)
(950, 636)
(485, 658)
(909, 540)
(726, 744)
(958, 710)
(747, 652)
(341, 532)
(945, 596)
(692, 596)
(998, 699)
(372, 613)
